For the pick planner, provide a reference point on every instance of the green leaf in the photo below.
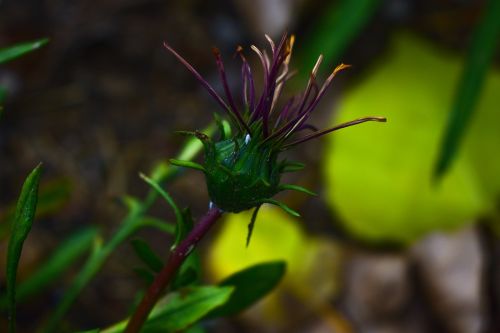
(132, 203)
(484, 44)
(277, 238)
(181, 309)
(282, 206)
(250, 285)
(149, 221)
(90, 268)
(297, 188)
(223, 126)
(13, 52)
(187, 164)
(186, 307)
(338, 25)
(147, 255)
(23, 220)
(378, 178)
(162, 172)
(65, 255)
(181, 227)
(292, 166)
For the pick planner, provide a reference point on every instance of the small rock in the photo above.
(378, 290)
(450, 267)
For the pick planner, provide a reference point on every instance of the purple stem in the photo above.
(166, 275)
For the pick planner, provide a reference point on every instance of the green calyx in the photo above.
(242, 173)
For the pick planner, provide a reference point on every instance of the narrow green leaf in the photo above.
(23, 220)
(180, 229)
(297, 188)
(165, 195)
(250, 285)
(150, 221)
(147, 255)
(181, 309)
(282, 206)
(187, 164)
(340, 23)
(252, 223)
(90, 268)
(223, 126)
(485, 41)
(186, 307)
(131, 203)
(65, 255)
(292, 166)
(162, 172)
(13, 52)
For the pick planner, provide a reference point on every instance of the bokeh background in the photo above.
(387, 246)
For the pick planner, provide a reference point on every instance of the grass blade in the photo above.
(163, 172)
(340, 24)
(13, 52)
(72, 248)
(23, 220)
(181, 225)
(481, 52)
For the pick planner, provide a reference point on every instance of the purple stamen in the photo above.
(222, 73)
(205, 84)
(248, 83)
(335, 128)
(294, 116)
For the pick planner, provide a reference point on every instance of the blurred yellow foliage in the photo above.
(312, 263)
(379, 178)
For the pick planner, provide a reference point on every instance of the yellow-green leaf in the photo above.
(379, 178)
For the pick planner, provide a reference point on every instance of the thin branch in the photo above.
(166, 275)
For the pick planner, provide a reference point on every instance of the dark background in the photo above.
(102, 100)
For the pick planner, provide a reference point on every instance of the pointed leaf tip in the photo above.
(252, 224)
(23, 220)
(187, 164)
(282, 206)
(297, 188)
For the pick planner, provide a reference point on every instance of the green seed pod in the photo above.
(240, 174)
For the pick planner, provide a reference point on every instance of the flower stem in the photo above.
(166, 275)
